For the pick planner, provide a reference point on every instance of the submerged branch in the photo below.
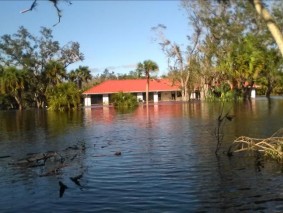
(271, 147)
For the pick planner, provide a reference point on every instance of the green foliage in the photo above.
(223, 93)
(42, 59)
(229, 96)
(13, 83)
(147, 67)
(80, 75)
(124, 100)
(54, 73)
(236, 47)
(64, 96)
(7, 102)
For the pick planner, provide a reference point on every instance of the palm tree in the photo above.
(80, 75)
(54, 73)
(146, 67)
(12, 82)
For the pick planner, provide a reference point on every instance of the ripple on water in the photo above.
(167, 163)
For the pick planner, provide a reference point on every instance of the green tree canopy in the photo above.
(13, 82)
(63, 96)
(43, 58)
(80, 75)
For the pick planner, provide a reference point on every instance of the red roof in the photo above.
(132, 86)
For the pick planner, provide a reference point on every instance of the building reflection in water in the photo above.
(104, 114)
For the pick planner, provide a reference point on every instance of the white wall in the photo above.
(253, 93)
(140, 97)
(105, 99)
(155, 97)
(87, 101)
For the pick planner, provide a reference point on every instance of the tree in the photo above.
(64, 96)
(107, 75)
(54, 73)
(266, 16)
(271, 76)
(248, 58)
(80, 75)
(179, 62)
(234, 45)
(147, 67)
(34, 54)
(273, 28)
(13, 83)
(133, 74)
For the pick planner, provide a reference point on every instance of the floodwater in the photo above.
(156, 160)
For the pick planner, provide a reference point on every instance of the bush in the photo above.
(64, 96)
(224, 96)
(124, 100)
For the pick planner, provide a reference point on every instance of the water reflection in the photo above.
(99, 114)
(167, 161)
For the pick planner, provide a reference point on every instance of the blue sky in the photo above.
(112, 34)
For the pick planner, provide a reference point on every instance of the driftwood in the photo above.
(51, 162)
(271, 147)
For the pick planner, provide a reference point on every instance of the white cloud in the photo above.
(127, 66)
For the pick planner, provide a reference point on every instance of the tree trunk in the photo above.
(268, 92)
(186, 94)
(40, 101)
(147, 87)
(277, 35)
(269, 89)
(19, 102)
(79, 84)
(247, 91)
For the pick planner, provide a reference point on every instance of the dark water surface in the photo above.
(167, 161)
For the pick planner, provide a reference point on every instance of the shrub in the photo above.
(124, 100)
(64, 96)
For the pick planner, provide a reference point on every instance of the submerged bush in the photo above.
(124, 100)
(64, 96)
(224, 96)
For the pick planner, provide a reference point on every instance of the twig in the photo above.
(55, 4)
(272, 147)
(34, 4)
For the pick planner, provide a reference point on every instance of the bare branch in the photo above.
(55, 4)
(58, 11)
(34, 4)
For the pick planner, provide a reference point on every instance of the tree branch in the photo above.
(58, 11)
(34, 4)
(55, 4)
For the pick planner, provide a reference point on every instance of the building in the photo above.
(159, 90)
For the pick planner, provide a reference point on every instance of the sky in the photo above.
(112, 34)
